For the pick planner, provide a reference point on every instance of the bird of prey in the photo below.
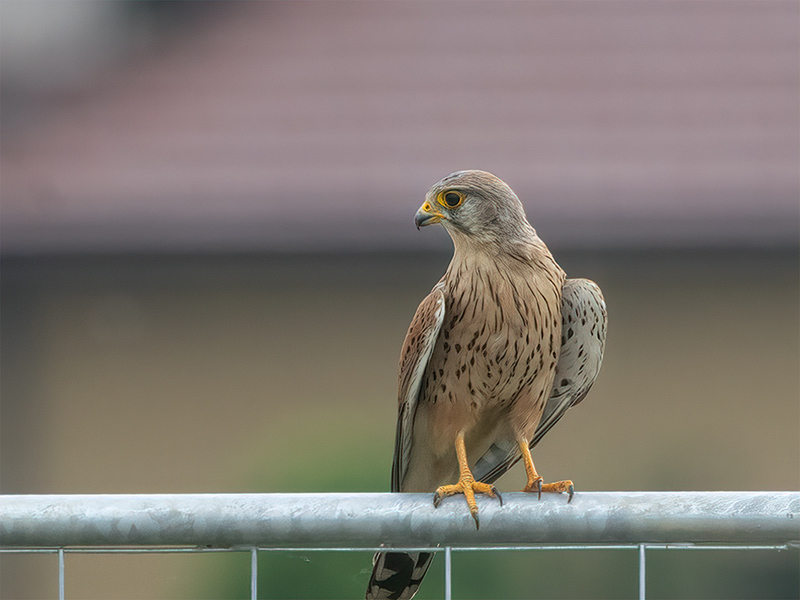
(495, 355)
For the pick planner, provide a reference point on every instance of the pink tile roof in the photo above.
(321, 125)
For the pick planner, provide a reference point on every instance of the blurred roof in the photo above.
(321, 125)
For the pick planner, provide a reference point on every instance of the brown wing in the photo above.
(417, 349)
(583, 340)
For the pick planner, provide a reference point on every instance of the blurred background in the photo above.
(209, 261)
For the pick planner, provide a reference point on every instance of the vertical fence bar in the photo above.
(642, 576)
(448, 573)
(253, 573)
(60, 574)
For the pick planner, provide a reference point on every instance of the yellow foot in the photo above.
(559, 486)
(469, 487)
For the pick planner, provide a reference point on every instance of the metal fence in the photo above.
(638, 521)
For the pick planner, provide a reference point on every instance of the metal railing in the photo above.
(254, 523)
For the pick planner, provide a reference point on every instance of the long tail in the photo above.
(397, 575)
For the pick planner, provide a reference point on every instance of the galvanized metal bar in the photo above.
(305, 549)
(394, 520)
(642, 575)
(254, 573)
(448, 573)
(60, 574)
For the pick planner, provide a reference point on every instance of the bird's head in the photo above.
(475, 205)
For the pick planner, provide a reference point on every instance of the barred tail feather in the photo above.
(397, 575)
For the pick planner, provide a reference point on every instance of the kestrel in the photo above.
(495, 355)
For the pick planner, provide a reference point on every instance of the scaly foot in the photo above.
(469, 487)
(536, 485)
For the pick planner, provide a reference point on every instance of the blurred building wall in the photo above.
(314, 125)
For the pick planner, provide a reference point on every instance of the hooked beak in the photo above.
(427, 215)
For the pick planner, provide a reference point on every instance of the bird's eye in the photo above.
(451, 199)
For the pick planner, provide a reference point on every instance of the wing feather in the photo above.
(584, 320)
(414, 356)
(583, 344)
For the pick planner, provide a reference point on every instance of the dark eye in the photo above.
(452, 199)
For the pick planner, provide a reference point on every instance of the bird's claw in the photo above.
(558, 487)
(496, 493)
(534, 486)
(469, 487)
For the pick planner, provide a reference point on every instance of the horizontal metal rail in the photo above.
(366, 521)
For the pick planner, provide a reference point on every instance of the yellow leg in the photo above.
(466, 483)
(535, 481)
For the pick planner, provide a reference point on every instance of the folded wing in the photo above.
(583, 339)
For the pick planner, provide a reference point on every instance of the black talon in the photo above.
(571, 492)
(539, 487)
(496, 493)
(477, 523)
(437, 499)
